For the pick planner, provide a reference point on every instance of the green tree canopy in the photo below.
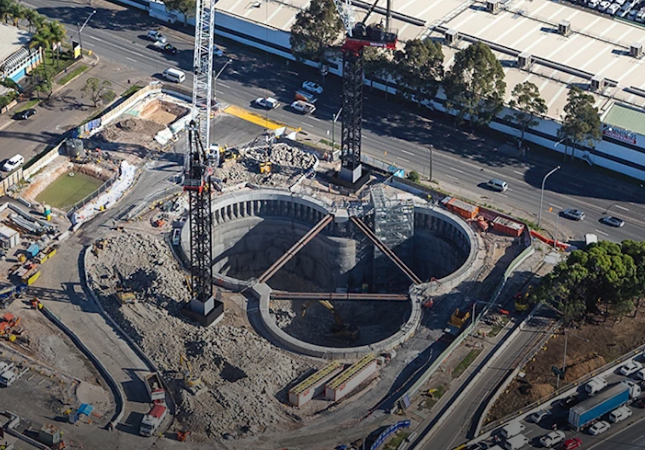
(581, 121)
(98, 91)
(420, 67)
(527, 104)
(316, 29)
(475, 85)
(186, 7)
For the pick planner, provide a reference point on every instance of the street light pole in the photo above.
(333, 130)
(217, 76)
(430, 157)
(542, 193)
(80, 30)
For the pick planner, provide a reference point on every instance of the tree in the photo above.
(581, 121)
(98, 91)
(42, 38)
(17, 12)
(528, 104)
(44, 80)
(315, 31)
(5, 9)
(186, 7)
(414, 176)
(32, 17)
(475, 85)
(57, 32)
(420, 68)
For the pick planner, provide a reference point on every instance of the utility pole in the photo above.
(542, 193)
(430, 161)
(333, 129)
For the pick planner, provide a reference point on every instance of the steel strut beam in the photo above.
(386, 250)
(335, 296)
(286, 257)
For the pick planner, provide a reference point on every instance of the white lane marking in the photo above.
(94, 37)
(309, 125)
(556, 206)
(638, 438)
(519, 173)
(457, 170)
(622, 207)
(504, 195)
(223, 85)
(407, 152)
(313, 118)
(130, 59)
(602, 232)
(451, 176)
(403, 159)
(89, 44)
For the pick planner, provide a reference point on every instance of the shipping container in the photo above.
(33, 250)
(602, 403)
(314, 385)
(507, 226)
(10, 236)
(351, 378)
(465, 210)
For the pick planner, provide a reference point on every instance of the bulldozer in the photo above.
(123, 294)
(192, 382)
(340, 329)
(266, 167)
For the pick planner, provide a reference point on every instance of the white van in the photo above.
(516, 442)
(174, 75)
(512, 429)
(595, 385)
(13, 163)
(498, 185)
(620, 414)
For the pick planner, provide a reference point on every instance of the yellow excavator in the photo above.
(192, 381)
(340, 329)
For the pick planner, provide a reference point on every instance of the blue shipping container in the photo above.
(602, 403)
(33, 250)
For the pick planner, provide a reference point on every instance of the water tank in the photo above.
(74, 148)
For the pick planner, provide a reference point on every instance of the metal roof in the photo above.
(626, 117)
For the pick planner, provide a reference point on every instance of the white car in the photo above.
(640, 17)
(312, 87)
(551, 439)
(598, 428)
(613, 9)
(217, 51)
(303, 107)
(267, 103)
(630, 368)
(537, 416)
(156, 36)
(13, 163)
(603, 6)
(593, 4)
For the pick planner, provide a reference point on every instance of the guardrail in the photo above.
(407, 396)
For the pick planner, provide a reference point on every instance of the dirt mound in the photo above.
(245, 374)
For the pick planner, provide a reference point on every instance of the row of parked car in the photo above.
(617, 7)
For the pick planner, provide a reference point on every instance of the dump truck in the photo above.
(594, 407)
(152, 421)
(155, 388)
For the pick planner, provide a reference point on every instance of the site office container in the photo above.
(348, 380)
(314, 385)
(463, 209)
(507, 226)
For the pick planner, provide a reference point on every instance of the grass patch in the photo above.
(73, 74)
(29, 104)
(131, 90)
(467, 361)
(60, 64)
(396, 441)
(65, 191)
(328, 143)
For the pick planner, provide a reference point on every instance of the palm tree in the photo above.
(17, 12)
(42, 38)
(58, 33)
(5, 8)
(30, 16)
(38, 21)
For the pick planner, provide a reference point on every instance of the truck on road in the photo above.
(594, 407)
(152, 421)
(155, 388)
(595, 385)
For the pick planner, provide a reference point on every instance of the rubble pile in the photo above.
(288, 164)
(130, 131)
(245, 375)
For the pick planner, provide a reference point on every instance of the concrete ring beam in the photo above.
(253, 229)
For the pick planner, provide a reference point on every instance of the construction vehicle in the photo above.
(226, 154)
(155, 388)
(10, 293)
(123, 294)
(151, 421)
(266, 167)
(340, 329)
(192, 382)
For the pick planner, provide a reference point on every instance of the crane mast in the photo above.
(358, 37)
(203, 307)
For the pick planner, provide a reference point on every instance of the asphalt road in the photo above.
(631, 438)
(395, 133)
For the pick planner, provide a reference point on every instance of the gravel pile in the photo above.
(245, 375)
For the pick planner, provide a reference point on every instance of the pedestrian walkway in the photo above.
(257, 119)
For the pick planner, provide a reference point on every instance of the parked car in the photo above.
(571, 444)
(267, 102)
(613, 9)
(603, 6)
(569, 401)
(599, 428)
(217, 51)
(164, 48)
(640, 375)
(554, 437)
(13, 163)
(573, 214)
(24, 115)
(630, 368)
(303, 107)
(537, 416)
(593, 4)
(612, 221)
(156, 36)
(312, 87)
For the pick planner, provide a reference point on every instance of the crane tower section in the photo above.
(203, 68)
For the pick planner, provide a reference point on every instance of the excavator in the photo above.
(192, 382)
(340, 329)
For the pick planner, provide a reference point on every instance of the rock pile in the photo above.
(245, 374)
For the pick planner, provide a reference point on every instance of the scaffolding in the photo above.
(394, 226)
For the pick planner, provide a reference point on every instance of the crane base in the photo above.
(205, 314)
(354, 185)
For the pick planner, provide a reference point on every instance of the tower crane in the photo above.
(359, 35)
